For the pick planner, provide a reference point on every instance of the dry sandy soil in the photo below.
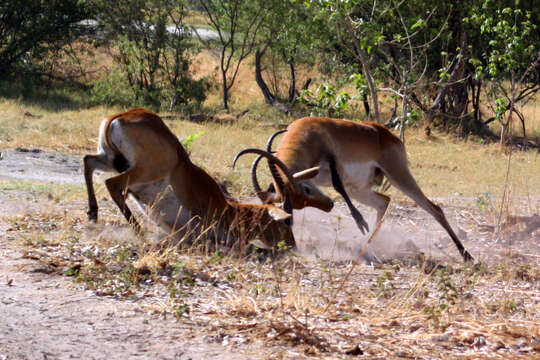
(45, 315)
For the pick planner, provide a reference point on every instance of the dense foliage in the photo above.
(446, 60)
(153, 49)
(438, 57)
(32, 29)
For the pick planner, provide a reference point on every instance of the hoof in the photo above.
(467, 257)
(139, 231)
(92, 216)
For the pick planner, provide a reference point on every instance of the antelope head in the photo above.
(268, 225)
(301, 191)
(265, 222)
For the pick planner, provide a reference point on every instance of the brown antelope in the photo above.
(148, 157)
(349, 155)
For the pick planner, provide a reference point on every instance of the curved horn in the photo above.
(254, 180)
(263, 195)
(287, 203)
(272, 159)
(271, 139)
(269, 142)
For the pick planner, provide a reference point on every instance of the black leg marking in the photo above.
(120, 163)
(338, 185)
(287, 206)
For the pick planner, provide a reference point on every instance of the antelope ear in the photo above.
(278, 214)
(271, 197)
(260, 244)
(307, 174)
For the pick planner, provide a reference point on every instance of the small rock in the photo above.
(43, 269)
(440, 338)
(29, 114)
(25, 150)
(355, 351)
(479, 341)
(403, 354)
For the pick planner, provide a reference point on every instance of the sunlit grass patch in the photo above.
(445, 167)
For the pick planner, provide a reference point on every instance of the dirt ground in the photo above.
(45, 315)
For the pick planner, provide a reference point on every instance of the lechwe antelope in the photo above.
(349, 155)
(148, 157)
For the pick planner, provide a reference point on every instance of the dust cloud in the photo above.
(334, 236)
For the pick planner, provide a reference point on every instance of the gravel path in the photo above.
(46, 317)
(38, 165)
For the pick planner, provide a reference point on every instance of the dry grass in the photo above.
(531, 112)
(443, 166)
(293, 307)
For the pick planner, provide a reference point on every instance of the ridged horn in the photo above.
(255, 181)
(272, 159)
(263, 195)
(269, 142)
(271, 139)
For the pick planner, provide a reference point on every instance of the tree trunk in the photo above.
(361, 57)
(404, 111)
(268, 96)
(522, 120)
(366, 106)
(476, 88)
(503, 133)
(271, 99)
(292, 85)
(430, 114)
(372, 90)
(225, 90)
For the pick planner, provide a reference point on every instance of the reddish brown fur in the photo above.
(344, 139)
(159, 154)
(368, 147)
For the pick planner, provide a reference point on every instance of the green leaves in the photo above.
(188, 141)
(510, 49)
(500, 108)
(152, 50)
(326, 101)
(31, 30)
(420, 23)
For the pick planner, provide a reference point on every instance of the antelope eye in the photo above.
(307, 190)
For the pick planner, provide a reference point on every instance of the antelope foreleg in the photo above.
(338, 185)
(90, 163)
(117, 187)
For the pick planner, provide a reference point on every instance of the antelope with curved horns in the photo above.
(148, 157)
(348, 155)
